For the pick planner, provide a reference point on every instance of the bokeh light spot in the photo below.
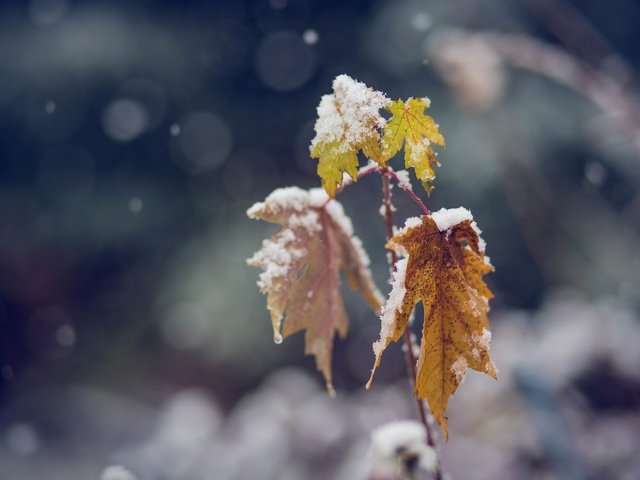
(205, 142)
(125, 119)
(22, 439)
(310, 37)
(284, 61)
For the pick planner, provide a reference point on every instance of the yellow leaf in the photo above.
(444, 268)
(418, 131)
(333, 163)
(372, 149)
(348, 121)
(302, 264)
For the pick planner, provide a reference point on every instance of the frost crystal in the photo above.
(349, 113)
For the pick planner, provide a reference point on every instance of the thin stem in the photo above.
(409, 341)
(408, 190)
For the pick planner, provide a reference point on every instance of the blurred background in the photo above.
(134, 136)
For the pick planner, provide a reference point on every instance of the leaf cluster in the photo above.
(442, 262)
(349, 122)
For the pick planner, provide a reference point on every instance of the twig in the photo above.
(408, 190)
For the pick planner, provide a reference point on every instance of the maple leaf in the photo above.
(443, 269)
(418, 131)
(333, 161)
(302, 264)
(347, 122)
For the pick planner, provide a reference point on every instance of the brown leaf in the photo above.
(443, 268)
(302, 264)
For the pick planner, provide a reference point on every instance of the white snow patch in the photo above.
(483, 340)
(275, 257)
(446, 218)
(410, 223)
(459, 369)
(393, 305)
(309, 221)
(383, 210)
(482, 245)
(318, 197)
(398, 440)
(281, 199)
(346, 181)
(349, 114)
(404, 181)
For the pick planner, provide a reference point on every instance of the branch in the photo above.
(407, 189)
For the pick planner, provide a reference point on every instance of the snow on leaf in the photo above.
(443, 269)
(409, 125)
(301, 269)
(347, 121)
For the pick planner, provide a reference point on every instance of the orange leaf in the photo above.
(302, 264)
(443, 269)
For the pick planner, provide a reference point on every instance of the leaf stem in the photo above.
(407, 189)
(409, 340)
